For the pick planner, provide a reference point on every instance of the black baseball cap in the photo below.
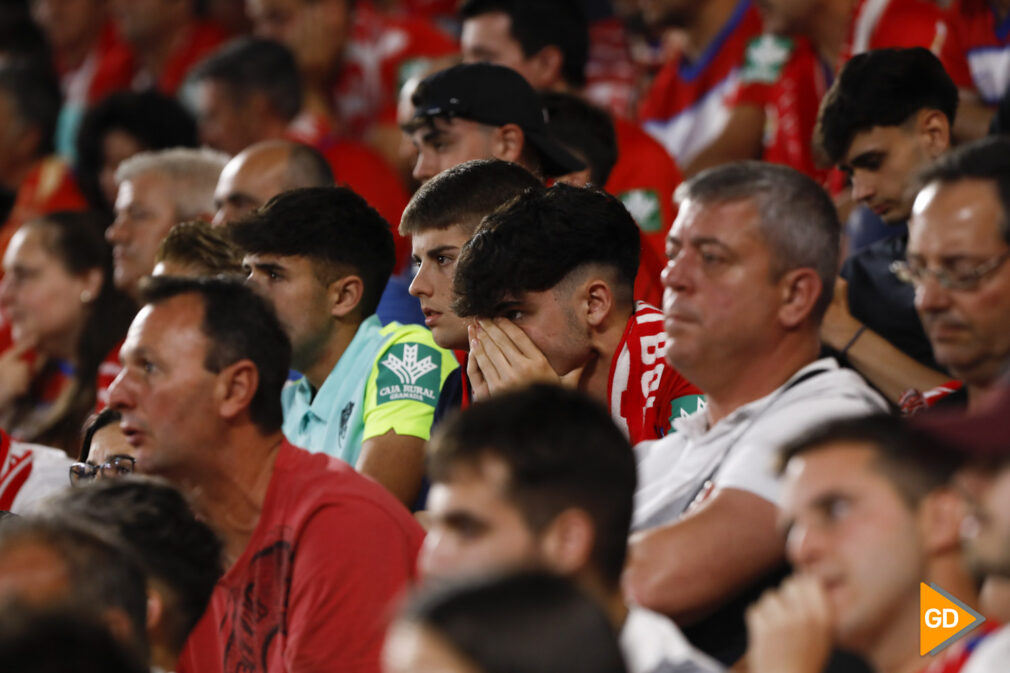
(493, 95)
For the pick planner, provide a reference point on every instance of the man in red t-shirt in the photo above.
(555, 300)
(314, 552)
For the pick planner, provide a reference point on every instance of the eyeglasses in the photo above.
(964, 275)
(117, 466)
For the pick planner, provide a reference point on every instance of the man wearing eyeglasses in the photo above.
(958, 246)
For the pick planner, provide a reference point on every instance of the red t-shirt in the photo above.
(312, 591)
(977, 55)
(645, 392)
(384, 51)
(645, 178)
(363, 170)
(687, 105)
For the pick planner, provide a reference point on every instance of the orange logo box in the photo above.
(942, 619)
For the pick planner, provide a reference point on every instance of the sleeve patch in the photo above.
(409, 372)
(765, 58)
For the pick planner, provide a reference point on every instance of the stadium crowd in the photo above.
(503, 336)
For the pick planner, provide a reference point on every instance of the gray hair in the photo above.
(797, 217)
(192, 172)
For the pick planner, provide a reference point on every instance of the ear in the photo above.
(345, 295)
(599, 301)
(507, 143)
(91, 285)
(120, 626)
(567, 544)
(545, 66)
(800, 290)
(236, 386)
(155, 610)
(933, 131)
(939, 519)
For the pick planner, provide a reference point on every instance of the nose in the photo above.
(419, 286)
(675, 274)
(930, 296)
(804, 545)
(431, 560)
(120, 397)
(220, 218)
(424, 168)
(114, 234)
(862, 188)
(6, 290)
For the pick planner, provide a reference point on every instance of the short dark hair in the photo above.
(882, 87)
(528, 622)
(154, 120)
(248, 65)
(463, 195)
(797, 218)
(102, 575)
(985, 159)
(332, 226)
(536, 24)
(198, 245)
(538, 239)
(152, 521)
(562, 450)
(33, 91)
(240, 325)
(58, 640)
(913, 463)
(585, 130)
(96, 422)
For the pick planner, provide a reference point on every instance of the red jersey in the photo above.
(312, 591)
(879, 24)
(384, 51)
(611, 76)
(977, 55)
(645, 392)
(363, 170)
(687, 105)
(644, 179)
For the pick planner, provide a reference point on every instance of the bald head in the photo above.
(264, 170)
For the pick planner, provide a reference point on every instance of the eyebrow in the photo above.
(501, 307)
(865, 158)
(698, 241)
(433, 135)
(435, 252)
(267, 267)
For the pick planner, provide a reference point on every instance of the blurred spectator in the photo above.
(179, 554)
(165, 38)
(56, 564)
(556, 300)
(156, 191)
(352, 59)
(249, 91)
(959, 242)
(65, 316)
(687, 107)
(105, 453)
(261, 172)
(196, 249)
(870, 515)
(543, 477)
(752, 261)
(588, 133)
(887, 116)
(482, 111)
(29, 639)
(979, 438)
(975, 54)
(787, 71)
(524, 623)
(120, 126)
(33, 181)
(322, 256)
(546, 43)
(295, 596)
(87, 53)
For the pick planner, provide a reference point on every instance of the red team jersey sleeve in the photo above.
(977, 55)
(645, 392)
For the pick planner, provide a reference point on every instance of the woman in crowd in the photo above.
(64, 317)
